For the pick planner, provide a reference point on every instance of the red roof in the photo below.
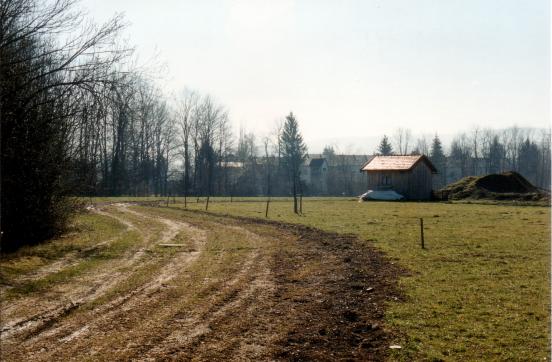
(396, 163)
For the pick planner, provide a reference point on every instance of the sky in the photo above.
(351, 71)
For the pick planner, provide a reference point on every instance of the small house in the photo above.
(318, 169)
(410, 176)
(314, 173)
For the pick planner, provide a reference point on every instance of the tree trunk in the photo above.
(294, 194)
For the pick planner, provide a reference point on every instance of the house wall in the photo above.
(318, 179)
(415, 184)
(305, 174)
(420, 182)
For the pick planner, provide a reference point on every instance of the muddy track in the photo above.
(271, 291)
(56, 304)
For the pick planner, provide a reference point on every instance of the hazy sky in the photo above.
(349, 69)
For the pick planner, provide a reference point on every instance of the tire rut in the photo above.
(86, 290)
(101, 317)
(188, 331)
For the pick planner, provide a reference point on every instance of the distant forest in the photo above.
(79, 118)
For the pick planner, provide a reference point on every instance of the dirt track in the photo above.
(236, 289)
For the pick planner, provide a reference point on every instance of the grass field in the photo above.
(479, 291)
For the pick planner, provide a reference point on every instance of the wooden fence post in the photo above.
(422, 232)
(207, 203)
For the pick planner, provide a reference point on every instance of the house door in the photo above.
(385, 181)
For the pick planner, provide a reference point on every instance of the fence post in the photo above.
(422, 232)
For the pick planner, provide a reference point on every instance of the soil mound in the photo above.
(505, 186)
(505, 182)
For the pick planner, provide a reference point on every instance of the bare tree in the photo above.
(544, 171)
(268, 167)
(402, 138)
(475, 140)
(422, 146)
(512, 140)
(186, 108)
(45, 83)
(225, 147)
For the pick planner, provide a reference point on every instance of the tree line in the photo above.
(481, 151)
(78, 118)
(53, 65)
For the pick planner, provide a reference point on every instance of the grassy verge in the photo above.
(85, 232)
(479, 291)
(93, 241)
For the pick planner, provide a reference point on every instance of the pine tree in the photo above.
(329, 154)
(528, 160)
(439, 159)
(294, 153)
(384, 147)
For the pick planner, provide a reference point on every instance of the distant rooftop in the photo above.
(317, 162)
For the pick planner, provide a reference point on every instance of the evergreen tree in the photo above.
(329, 154)
(384, 147)
(528, 160)
(205, 164)
(294, 154)
(438, 158)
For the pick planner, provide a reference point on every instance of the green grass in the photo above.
(84, 232)
(87, 230)
(479, 291)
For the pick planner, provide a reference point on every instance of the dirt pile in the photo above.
(505, 186)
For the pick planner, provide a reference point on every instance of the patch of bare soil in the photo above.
(292, 293)
(330, 295)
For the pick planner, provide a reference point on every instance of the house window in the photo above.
(385, 179)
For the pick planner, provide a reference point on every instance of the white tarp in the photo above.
(389, 195)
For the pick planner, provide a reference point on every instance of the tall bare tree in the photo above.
(185, 111)
(402, 138)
